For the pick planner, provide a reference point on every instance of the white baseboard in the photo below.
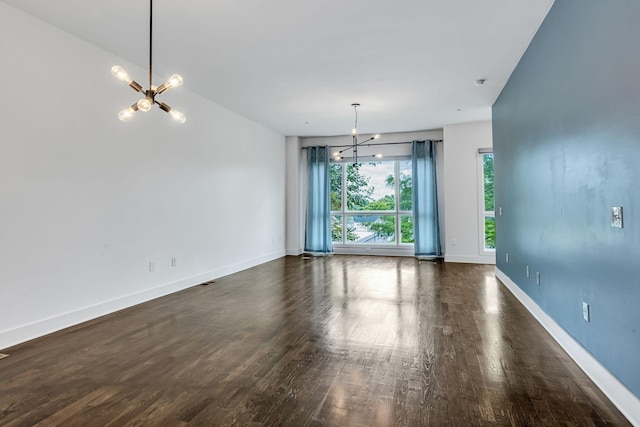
(620, 396)
(294, 252)
(43, 327)
(471, 259)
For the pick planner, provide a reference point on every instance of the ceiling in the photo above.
(296, 66)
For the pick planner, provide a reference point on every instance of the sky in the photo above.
(378, 175)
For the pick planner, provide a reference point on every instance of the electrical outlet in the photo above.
(500, 211)
(454, 242)
(152, 266)
(538, 278)
(586, 315)
(616, 217)
(528, 271)
(506, 256)
(174, 262)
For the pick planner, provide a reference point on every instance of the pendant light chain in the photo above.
(150, 43)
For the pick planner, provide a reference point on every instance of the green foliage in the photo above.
(489, 204)
(487, 161)
(336, 230)
(358, 198)
(406, 191)
(386, 203)
(384, 227)
(489, 232)
(335, 176)
(406, 229)
(358, 189)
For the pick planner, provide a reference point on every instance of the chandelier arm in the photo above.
(366, 140)
(135, 86)
(163, 106)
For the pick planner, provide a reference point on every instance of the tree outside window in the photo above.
(363, 202)
(489, 208)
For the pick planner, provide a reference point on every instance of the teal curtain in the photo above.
(426, 228)
(317, 238)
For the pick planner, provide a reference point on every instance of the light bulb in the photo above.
(121, 74)
(354, 131)
(126, 114)
(377, 137)
(378, 156)
(177, 116)
(174, 81)
(145, 104)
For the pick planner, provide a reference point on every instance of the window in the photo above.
(371, 203)
(488, 219)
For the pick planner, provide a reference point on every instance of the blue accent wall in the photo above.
(566, 131)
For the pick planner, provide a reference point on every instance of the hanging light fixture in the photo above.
(150, 94)
(354, 139)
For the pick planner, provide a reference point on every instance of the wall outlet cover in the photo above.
(616, 217)
(585, 312)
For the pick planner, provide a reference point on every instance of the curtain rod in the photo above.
(380, 143)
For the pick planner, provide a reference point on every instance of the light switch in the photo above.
(616, 216)
(585, 312)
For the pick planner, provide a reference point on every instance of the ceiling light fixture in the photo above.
(354, 139)
(149, 99)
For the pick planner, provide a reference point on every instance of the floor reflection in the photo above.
(371, 303)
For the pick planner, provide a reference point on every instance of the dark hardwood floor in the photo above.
(333, 341)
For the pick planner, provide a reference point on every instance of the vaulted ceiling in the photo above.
(296, 66)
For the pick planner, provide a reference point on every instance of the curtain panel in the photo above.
(426, 228)
(317, 237)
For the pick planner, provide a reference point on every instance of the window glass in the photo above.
(406, 197)
(370, 186)
(373, 228)
(487, 163)
(489, 232)
(488, 216)
(406, 228)
(335, 172)
(372, 202)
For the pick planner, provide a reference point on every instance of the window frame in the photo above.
(483, 214)
(397, 213)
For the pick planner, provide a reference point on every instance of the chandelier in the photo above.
(150, 94)
(354, 140)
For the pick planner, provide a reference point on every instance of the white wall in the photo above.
(462, 191)
(87, 202)
(295, 197)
